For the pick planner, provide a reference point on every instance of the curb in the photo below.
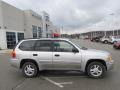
(6, 52)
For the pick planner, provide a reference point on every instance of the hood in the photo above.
(97, 51)
(93, 53)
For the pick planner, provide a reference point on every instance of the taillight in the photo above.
(13, 54)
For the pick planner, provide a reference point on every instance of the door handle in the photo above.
(57, 55)
(35, 54)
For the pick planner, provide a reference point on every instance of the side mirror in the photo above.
(74, 50)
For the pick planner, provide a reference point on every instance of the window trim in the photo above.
(52, 46)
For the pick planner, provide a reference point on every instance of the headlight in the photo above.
(109, 58)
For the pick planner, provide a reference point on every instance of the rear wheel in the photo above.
(96, 70)
(115, 47)
(29, 70)
(105, 41)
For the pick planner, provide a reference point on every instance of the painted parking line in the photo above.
(18, 85)
(56, 83)
(63, 83)
(53, 82)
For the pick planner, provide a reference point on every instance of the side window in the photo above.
(27, 45)
(43, 45)
(62, 46)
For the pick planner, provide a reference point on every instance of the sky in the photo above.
(76, 16)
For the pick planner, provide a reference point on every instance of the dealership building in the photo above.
(17, 24)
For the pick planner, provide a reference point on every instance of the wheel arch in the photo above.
(106, 41)
(23, 61)
(95, 60)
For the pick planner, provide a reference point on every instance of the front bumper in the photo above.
(110, 65)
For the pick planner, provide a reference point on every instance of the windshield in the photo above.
(77, 44)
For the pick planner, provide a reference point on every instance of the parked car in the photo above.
(34, 55)
(96, 39)
(105, 39)
(86, 37)
(114, 39)
(116, 45)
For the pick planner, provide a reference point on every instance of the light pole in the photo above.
(112, 14)
(61, 31)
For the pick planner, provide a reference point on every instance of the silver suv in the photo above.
(34, 55)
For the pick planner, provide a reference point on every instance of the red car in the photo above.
(116, 45)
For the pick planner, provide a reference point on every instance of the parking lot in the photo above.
(11, 79)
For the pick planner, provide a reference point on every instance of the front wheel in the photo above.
(29, 70)
(96, 70)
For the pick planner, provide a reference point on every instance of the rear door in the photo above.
(43, 52)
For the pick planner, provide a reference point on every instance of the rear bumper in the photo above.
(15, 63)
(116, 46)
(110, 65)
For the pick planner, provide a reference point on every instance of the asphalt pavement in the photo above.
(11, 79)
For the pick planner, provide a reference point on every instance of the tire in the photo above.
(95, 73)
(29, 70)
(105, 41)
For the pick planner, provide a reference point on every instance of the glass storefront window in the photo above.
(20, 36)
(11, 39)
(34, 28)
(39, 32)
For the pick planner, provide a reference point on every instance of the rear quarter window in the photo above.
(27, 45)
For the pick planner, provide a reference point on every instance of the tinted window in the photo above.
(62, 46)
(43, 45)
(27, 45)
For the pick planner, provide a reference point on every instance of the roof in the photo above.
(47, 39)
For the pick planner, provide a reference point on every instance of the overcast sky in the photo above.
(76, 15)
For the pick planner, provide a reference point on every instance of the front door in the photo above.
(63, 56)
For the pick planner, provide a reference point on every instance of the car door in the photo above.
(43, 52)
(63, 56)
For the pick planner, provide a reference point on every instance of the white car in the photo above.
(34, 55)
(105, 39)
(114, 39)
